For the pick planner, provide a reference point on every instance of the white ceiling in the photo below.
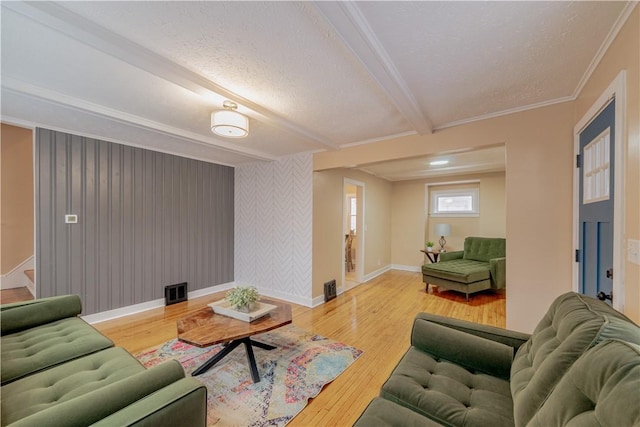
(485, 160)
(310, 75)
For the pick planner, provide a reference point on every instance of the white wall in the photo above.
(273, 227)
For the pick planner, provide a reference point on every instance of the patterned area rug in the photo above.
(290, 375)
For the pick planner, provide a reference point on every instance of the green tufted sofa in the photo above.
(481, 265)
(580, 367)
(57, 370)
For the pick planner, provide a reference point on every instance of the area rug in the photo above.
(296, 371)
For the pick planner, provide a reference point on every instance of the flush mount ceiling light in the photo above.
(439, 162)
(228, 122)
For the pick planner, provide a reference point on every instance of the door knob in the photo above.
(610, 273)
(603, 297)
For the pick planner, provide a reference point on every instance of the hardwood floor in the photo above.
(375, 316)
(15, 295)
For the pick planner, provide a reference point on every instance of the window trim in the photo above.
(475, 197)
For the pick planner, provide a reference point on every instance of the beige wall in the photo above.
(539, 181)
(539, 152)
(16, 157)
(623, 54)
(411, 229)
(328, 236)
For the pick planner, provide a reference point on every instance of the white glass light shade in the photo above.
(229, 124)
(442, 229)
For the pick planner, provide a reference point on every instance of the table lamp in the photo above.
(442, 230)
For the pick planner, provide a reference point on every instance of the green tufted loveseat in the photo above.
(57, 370)
(579, 367)
(481, 265)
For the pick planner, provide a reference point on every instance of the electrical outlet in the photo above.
(633, 251)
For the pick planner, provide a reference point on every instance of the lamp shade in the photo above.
(229, 123)
(442, 229)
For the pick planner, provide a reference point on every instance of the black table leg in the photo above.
(255, 376)
(215, 359)
(262, 345)
(248, 343)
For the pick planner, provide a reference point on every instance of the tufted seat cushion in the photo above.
(40, 391)
(384, 413)
(106, 381)
(44, 346)
(609, 399)
(459, 270)
(572, 325)
(448, 393)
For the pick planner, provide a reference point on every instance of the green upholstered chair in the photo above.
(480, 266)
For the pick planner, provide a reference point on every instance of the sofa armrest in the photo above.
(498, 268)
(464, 349)
(180, 404)
(513, 339)
(100, 403)
(28, 314)
(448, 256)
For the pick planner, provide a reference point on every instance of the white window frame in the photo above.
(475, 197)
(353, 214)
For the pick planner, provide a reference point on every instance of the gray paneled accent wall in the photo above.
(145, 220)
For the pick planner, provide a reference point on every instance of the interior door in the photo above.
(595, 161)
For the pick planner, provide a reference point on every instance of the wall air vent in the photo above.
(175, 293)
(329, 290)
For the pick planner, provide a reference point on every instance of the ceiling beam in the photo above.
(14, 86)
(347, 20)
(84, 31)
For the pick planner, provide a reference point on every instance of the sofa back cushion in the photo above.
(601, 388)
(573, 324)
(19, 316)
(484, 248)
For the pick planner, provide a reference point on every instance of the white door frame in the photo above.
(617, 89)
(360, 227)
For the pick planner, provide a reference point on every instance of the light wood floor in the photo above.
(15, 295)
(375, 316)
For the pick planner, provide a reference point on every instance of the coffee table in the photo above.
(204, 328)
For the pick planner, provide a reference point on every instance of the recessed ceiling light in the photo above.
(439, 162)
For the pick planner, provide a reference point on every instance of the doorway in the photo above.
(595, 206)
(352, 233)
(602, 264)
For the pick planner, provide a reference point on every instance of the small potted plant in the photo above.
(243, 298)
(430, 246)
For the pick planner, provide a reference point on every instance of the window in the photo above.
(463, 202)
(595, 168)
(353, 205)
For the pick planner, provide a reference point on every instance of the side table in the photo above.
(433, 256)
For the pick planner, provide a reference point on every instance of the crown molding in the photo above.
(606, 44)
(84, 31)
(506, 112)
(25, 89)
(350, 24)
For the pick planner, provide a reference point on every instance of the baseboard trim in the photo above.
(307, 302)
(401, 267)
(16, 277)
(159, 303)
(150, 305)
(376, 273)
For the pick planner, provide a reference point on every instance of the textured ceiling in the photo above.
(310, 75)
(484, 160)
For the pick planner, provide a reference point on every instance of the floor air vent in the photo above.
(329, 290)
(175, 293)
